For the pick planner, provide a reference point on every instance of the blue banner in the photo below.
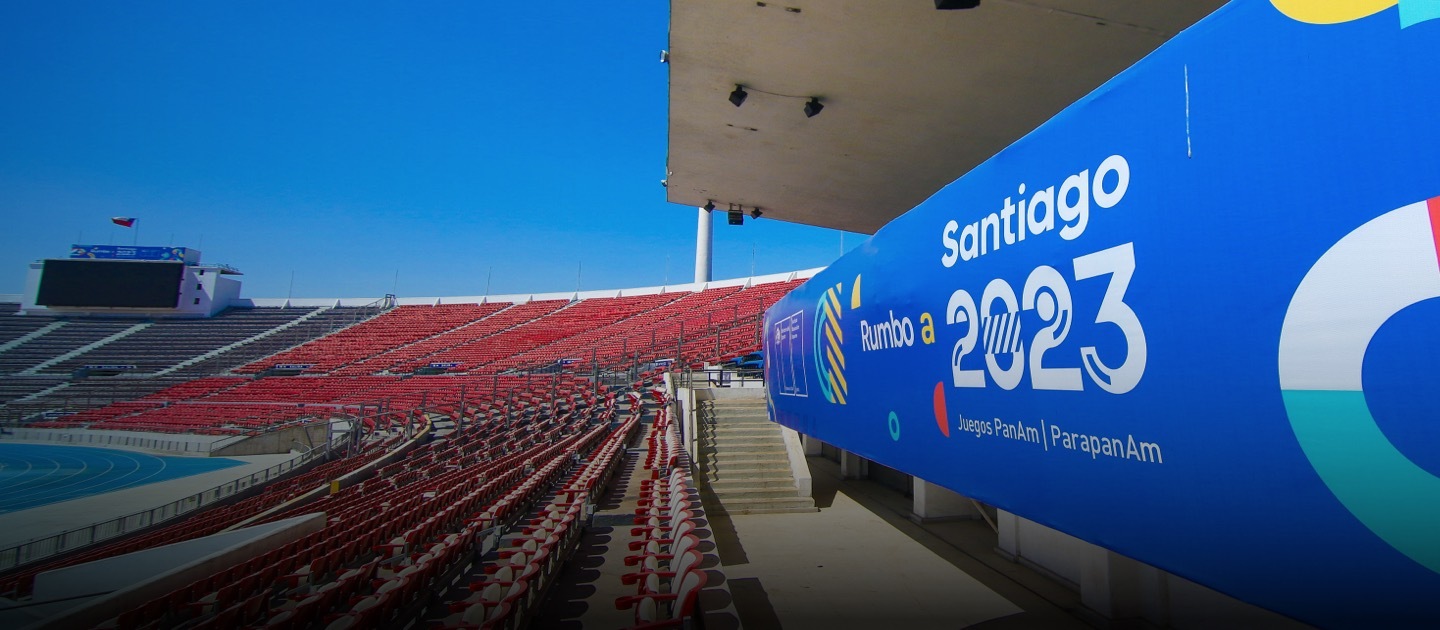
(122, 252)
(1190, 319)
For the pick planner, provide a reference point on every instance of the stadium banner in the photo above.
(122, 252)
(1191, 319)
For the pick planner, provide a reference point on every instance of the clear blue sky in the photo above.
(347, 140)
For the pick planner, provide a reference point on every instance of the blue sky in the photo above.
(348, 141)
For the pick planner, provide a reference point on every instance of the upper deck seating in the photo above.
(395, 328)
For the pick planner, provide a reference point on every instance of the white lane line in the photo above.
(56, 482)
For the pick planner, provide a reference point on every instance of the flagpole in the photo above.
(136, 241)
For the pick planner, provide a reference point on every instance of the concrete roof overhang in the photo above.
(914, 97)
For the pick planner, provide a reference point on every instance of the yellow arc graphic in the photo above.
(1331, 11)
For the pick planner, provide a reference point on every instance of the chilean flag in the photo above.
(124, 221)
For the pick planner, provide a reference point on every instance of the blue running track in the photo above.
(32, 475)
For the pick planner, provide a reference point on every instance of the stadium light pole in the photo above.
(702, 243)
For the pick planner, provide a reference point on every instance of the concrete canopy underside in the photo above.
(914, 97)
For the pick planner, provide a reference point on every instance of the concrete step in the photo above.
(756, 406)
(741, 465)
(723, 485)
(755, 492)
(748, 453)
(768, 506)
(740, 425)
(731, 455)
(745, 443)
(745, 458)
(742, 417)
(740, 439)
(745, 430)
(742, 445)
(775, 465)
(725, 425)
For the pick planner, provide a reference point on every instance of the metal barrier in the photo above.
(41, 548)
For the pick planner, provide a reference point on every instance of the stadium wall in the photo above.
(132, 440)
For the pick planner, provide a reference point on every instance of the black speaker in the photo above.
(737, 217)
(946, 5)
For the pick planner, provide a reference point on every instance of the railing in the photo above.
(41, 548)
(719, 377)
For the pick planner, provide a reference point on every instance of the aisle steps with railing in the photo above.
(744, 461)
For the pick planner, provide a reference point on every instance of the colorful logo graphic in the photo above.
(830, 341)
(1412, 12)
(942, 417)
(1375, 271)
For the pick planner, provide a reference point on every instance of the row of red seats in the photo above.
(575, 318)
(503, 320)
(425, 510)
(582, 344)
(686, 334)
(516, 580)
(394, 328)
(668, 584)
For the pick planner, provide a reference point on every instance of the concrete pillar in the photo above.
(1008, 526)
(702, 246)
(853, 466)
(934, 503)
(812, 445)
(1118, 587)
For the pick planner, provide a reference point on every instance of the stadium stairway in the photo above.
(744, 463)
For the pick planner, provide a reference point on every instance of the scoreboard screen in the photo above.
(102, 283)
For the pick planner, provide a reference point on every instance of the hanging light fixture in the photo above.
(813, 107)
(737, 97)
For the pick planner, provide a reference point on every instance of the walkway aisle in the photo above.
(857, 564)
(584, 595)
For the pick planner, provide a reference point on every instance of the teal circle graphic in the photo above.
(894, 427)
(1369, 275)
